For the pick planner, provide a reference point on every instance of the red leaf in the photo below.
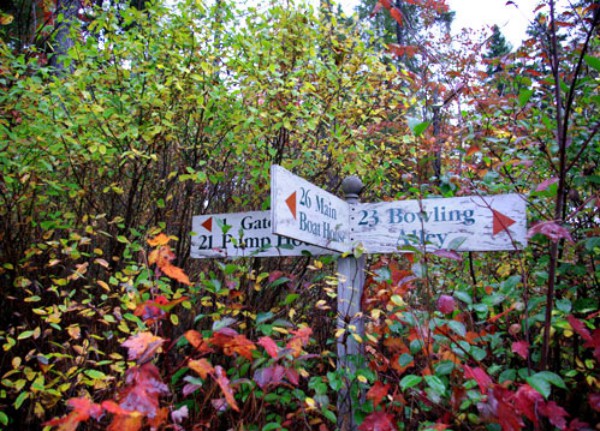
(270, 346)
(578, 425)
(545, 184)
(376, 9)
(483, 380)
(223, 382)
(299, 340)
(448, 254)
(83, 408)
(527, 400)
(386, 4)
(579, 328)
(594, 400)
(550, 229)
(555, 414)
(521, 348)
(378, 421)
(269, 376)
(397, 15)
(143, 388)
(446, 304)
(142, 346)
(378, 392)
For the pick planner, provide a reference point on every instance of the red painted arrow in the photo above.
(501, 222)
(207, 224)
(291, 203)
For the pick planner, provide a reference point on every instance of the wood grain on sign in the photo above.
(471, 223)
(303, 211)
(247, 234)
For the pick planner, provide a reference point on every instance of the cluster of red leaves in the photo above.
(152, 311)
(137, 402)
(163, 256)
(508, 407)
(231, 343)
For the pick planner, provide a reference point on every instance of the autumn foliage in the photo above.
(162, 112)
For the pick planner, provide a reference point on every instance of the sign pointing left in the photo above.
(207, 224)
(308, 213)
(291, 203)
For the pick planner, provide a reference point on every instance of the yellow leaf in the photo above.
(361, 378)
(103, 285)
(158, 240)
(310, 403)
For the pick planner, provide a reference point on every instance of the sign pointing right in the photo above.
(501, 222)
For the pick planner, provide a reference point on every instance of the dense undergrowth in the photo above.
(162, 114)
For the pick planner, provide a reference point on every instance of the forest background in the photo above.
(120, 121)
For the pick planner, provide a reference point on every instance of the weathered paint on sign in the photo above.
(471, 223)
(303, 211)
(247, 234)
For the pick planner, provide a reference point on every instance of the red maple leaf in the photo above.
(378, 421)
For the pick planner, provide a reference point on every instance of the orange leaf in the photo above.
(175, 273)
(397, 15)
(142, 346)
(376, 9)
(223, 383)
(83, 408)
(158, 240)
(201, 366)
(472, 150)
(194, 338)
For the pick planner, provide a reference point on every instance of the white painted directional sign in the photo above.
(303, 211)
(470, 223)
(245, 234)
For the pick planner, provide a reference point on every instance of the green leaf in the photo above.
(410, 381)
(3, 418)
(539, 384)
(405, 359)
(435, 383)
(524, 96)
(458, 327)
(95, 374)
(593, 62)
(463, 296)
(444, 368)
(21, 399)
(25, 334)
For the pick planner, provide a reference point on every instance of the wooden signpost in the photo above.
(470, 223)
(306, 219)
(302, 210)
(247, 234)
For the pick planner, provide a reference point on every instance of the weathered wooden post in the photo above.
(351, 273)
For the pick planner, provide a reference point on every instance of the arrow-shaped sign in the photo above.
(207, 224)
(291, 203)
(501, 222)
